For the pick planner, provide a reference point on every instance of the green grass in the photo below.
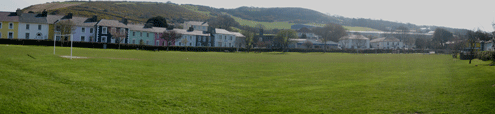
(125, 3)
(347, 27)
(195, 9)
(268, 25)
(130, 81)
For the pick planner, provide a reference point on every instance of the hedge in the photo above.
(194, 49)
(485, 55)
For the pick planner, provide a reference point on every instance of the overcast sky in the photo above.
(468, 14)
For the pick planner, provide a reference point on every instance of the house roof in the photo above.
(135, 27)
(186, 32)
(386, 39)
(83, 21)
(111, 23)
(237, 34)
(314, 42)
(159, 29)
(50, 19)
(32, 18)
(197, 23)
(4, 16)
(352, 36)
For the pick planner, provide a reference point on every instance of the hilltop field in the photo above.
(34, 80)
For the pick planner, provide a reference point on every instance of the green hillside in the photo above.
(134, 11)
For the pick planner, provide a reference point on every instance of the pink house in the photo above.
(158, 34)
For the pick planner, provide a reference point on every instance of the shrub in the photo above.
(485, 55)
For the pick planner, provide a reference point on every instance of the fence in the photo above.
(194, 49)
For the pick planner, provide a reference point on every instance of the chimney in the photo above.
(191, 28)
(18, 12)
(69, 15)
(148, 25)
(44, 13)
(124, 20)
(170, 27)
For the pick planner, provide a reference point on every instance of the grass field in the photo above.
(130, 81)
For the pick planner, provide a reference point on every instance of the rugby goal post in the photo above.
(55, 39)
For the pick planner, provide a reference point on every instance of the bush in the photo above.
(485, 55)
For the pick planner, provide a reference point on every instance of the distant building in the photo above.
(386, 43)
(104, 28)
(316, 44)
(197, 25)
(354, 42)
(9, 23)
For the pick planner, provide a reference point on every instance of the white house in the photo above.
(302, 44)
(197, 25)
(354, 42)
(190, 38)
(224, 38)
(34, 26)
(386, 43)
(84, 28)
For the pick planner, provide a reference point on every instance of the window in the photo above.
(230, 37)
(0, 26)
(83, 38)
(164, 43)
(147, 42)
(11, 25)
(27, 35)
(230, 45)
(83, 30)
(133, 41)
(190, 44)
(0, 34)
(141, 34)
(104, 30)
(147, 34)
(27, 26)
(11, 35)
(219, 44)
(90, 30)
(103, 39)
(133, 33)
(179, 44)
(157, 42)
(39, 27)
(91, 38)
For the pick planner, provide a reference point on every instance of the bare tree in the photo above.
(119, 34)
(308, 44)
(284, 36)
(170, 37)
(330, 32)
(248, 41)
(184, 40)
(64, 27)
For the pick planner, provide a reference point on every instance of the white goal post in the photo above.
(55, 39)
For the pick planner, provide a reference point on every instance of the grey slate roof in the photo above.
(4, 16)
(352, 36)
(315, 42)
(237, 34)
(385, 39)
(197, 23)
(32, 18)
(52, 18)
(196, 32)
(139, 28)
(111, 23)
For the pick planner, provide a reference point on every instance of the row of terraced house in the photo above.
(19, 25)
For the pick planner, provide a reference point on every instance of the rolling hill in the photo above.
(279, 18)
